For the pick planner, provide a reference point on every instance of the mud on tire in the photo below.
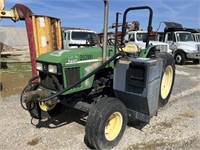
(37, 113)
(35, 108)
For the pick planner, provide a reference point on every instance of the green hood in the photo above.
(70, 56)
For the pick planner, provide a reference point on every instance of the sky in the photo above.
(88, 14)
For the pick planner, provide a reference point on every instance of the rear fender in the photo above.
(145, 53)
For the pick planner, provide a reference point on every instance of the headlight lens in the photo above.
(39, 66)
(52, 68)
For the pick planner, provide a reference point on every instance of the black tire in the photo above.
(34, 108)
(167, 78)
(99, 120)
(180, 58)
(196, 61)
(36, 112)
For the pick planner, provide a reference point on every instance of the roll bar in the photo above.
(149, 28)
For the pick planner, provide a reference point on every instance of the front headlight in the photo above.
(39, 66)
(52, 68)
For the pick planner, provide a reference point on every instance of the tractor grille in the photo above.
(72, 75)
(51, 81)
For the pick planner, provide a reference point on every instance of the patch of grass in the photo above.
(15, 67)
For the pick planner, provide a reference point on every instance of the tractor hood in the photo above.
(72, 56)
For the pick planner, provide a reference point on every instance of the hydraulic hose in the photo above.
(30, 82)
(32, 79)
(82, 79)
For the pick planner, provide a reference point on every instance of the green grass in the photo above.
(15, 67)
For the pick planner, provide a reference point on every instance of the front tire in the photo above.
(180, 58)
(40, 110)
(106, 123)
(167, 78)
(43, 110)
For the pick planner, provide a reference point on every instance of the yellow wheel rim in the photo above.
(166, 82)
(113, 126)
(46, 107)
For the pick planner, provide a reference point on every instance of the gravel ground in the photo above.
(177, 125)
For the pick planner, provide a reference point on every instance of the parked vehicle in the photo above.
(183, 45)
(195, 32)
(76, 38)
(196, 37)
(139, 37)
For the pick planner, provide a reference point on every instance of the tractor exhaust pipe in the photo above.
(105, 30)
(2, 4)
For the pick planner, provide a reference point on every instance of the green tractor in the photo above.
(112, 86)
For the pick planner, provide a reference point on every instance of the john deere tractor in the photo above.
(111, 86)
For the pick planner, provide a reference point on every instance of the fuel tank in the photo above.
(137, 85)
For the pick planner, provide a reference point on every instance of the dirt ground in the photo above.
(177, 125)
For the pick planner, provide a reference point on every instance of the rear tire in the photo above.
(196, 61)
(167, 78)
(106, 123)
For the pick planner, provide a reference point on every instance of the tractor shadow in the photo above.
(67, 116)
(137, 124)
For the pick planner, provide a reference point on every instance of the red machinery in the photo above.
(44, 32)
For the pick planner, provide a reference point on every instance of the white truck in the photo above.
(138, 37)
(183, 45)
(196, 37)
(76, 37)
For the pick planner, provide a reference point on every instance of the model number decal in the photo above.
(86, 57)
(72, 61)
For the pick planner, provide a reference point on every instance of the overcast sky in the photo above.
(89, 13)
